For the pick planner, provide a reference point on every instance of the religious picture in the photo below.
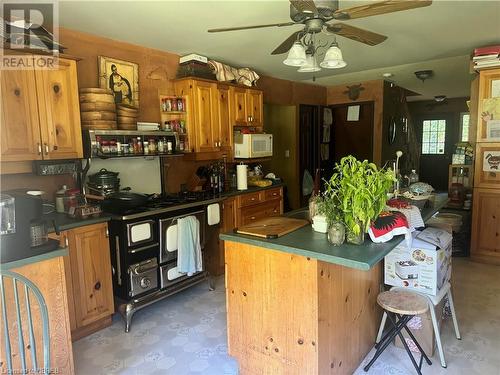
(122, 78)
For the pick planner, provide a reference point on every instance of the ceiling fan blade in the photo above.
(251, 27)
(304, 6)
(287, 44)
(382, 7)
(357, 34)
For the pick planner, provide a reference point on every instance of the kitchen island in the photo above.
(298, 305)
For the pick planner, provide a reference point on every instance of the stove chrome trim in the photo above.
(139, 249)
(129, 232)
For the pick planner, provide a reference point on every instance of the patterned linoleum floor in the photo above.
(186, 334)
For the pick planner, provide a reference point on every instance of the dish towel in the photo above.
(189, 258)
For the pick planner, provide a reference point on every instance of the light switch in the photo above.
(287, 153)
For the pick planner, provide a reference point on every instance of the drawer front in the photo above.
(250, 199)
(260, 211)
(272, 194)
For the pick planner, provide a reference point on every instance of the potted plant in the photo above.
(357, 189)
(328, 206)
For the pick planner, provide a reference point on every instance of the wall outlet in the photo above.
(287, 153)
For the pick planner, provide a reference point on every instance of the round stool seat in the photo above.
(403, 302)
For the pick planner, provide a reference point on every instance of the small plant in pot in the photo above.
(328, 206)
(358, 189)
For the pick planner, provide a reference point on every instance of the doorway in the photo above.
(437, 135)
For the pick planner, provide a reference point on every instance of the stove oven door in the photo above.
(168, 235)
(141, 235)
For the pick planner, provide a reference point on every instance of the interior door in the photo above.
(437, 135)
(308, 145)
(19, 123)
(57, 92)
(353, 137)
(206, 117)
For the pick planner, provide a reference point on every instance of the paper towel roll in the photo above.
(241, 177)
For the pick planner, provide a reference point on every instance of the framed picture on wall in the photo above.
(121, 77)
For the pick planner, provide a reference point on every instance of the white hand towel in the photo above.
(189, 257)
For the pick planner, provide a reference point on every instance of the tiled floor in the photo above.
(186, 334)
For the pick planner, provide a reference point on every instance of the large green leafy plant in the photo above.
(356, 193)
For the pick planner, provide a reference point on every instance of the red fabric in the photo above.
(387, 222)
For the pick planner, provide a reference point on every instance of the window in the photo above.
(464, 126)
(433, 136)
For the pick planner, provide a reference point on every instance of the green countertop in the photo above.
(59, 252)
(306, 242)
(64, 222)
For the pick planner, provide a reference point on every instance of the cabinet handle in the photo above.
(39, 145)
(107, 232)
(252, 218)
(252, 199)
(97, 285)
(118, 265)
(46, 148)
(66, 241)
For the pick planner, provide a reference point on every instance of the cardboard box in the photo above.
(421, 327)
(424, 267)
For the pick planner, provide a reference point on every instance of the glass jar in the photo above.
(152, 146)
(336, 233)
(180, 105)
(112, 147)
(160, 145)
(181, 145)
(174, 105)
(169, 147)
(125, 148)
(145, 144)
(355, 239)
(105, 147)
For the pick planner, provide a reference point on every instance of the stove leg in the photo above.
(127, 311)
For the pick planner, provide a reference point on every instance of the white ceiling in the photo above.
(439, 37)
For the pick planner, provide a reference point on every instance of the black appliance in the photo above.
(143, 243)
(22, 217)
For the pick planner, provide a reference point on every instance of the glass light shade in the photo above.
(333, 58)
(296, 55)
(311, 65)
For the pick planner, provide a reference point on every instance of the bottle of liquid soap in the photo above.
(413, 177)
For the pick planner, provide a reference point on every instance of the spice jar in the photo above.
(180, 105)
(112, 147)
(125, 148)
(160, 145)
(105, 147)
(152, 146)
(168, 105)
(181, 145)
(145, 144)
(169, 147)
(174, 104)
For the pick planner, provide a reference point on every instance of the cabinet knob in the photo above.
(252, 218)
(97, 285)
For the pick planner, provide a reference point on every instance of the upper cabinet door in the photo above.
(206, 116)
(225, 126)
(239, 106)
(59, 111)
(254, 107)
(19, 123)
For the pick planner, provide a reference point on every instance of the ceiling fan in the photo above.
(316, 15)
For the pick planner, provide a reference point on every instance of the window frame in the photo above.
(438, 132)
(462, 115)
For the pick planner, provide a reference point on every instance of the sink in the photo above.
(301, 213)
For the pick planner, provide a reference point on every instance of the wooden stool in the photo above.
(404, 305)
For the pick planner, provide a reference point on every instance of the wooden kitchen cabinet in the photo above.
(241, 210)
(485, 240)
(224, 115)
(89, 283)
(255, 107)
(206, 118)
(247, 107)
(40, 116)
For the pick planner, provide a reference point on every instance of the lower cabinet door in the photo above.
(91, 273)
(485, 241)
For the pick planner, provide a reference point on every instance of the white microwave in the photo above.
(248, 146)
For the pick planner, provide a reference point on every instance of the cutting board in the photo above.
(272, 227)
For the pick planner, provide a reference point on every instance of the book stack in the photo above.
(486, 57)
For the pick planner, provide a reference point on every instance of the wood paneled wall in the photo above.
(88, 47)
(284, 92)
(373, 92)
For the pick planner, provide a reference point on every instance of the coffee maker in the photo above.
(23, 230)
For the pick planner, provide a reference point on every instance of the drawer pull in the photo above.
(252, 218)
(252, 199)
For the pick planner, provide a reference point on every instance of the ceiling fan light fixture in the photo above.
(333, 58)
(424, 74)
(310, 66)
(296, 55)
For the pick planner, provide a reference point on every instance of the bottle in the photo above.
(160, 145)
(139, 145)
(60, 194)
(413, 177)
(146, 147)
